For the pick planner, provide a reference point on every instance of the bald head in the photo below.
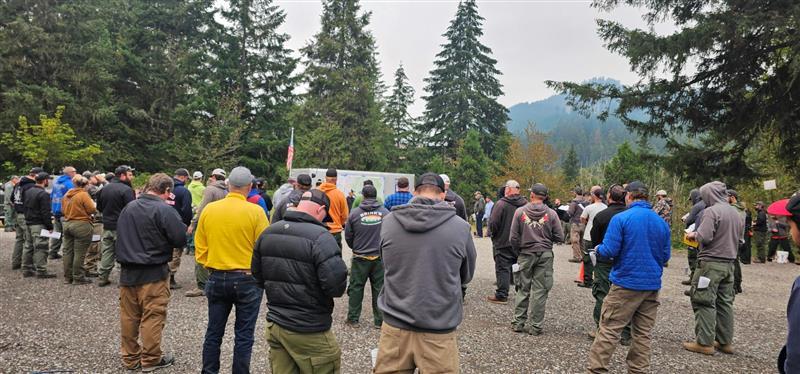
(69, 171)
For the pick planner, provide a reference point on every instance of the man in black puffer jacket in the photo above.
(298, 263)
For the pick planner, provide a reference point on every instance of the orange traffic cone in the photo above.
(580, 275)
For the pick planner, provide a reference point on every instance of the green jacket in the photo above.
(359, 198)
(196, 188)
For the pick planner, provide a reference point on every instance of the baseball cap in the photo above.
(304, 180)
(539, 189)
(197, 175)
(732, 192)
(637, 186)
(35, 171)
(445, 178)
(431, 179)
(219, 172)
(181, 172)
(369, 191)
(240, 177)
(42, 176)
(661, 193)
(512, 183)
(320, 198)
(122, 169)
(331, 173)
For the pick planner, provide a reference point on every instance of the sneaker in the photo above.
(134, 367)
(699, 348)
(54, 256)
(195, 293)
(103, 282)
(377, 326)
(78, 282)
(167, 360)
(625, 341)
(45, 275)
(497, 300)
(726, 348)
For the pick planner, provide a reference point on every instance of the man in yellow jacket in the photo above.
(226, 233)
(338, 212)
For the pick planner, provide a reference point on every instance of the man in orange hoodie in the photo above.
(338, 213)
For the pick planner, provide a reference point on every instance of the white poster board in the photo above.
(770, 184)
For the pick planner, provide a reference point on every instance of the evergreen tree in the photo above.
(731, 78)
(340, 116)
(571, 165)
(626, 166)
(396, 113)
(463, 89)
(472, 171)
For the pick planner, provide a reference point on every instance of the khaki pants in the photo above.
(575, 237)
(77, 236)
(175, 263)
(93, 252)
(620, 307)
(294, 352)
(142, 313)
(713, 305)
(402, 351)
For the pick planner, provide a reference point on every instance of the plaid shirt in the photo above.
(397, 198)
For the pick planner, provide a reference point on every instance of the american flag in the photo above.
(290, 154)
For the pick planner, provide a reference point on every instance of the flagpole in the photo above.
(290, 157)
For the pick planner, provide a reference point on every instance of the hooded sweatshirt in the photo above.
(535, 228)
(61, 186)
(78, 205)
(25, 183)
(500, 220)
(427, 254)
(363, 229)
(697, 207)
(338, 210)
(722, 228)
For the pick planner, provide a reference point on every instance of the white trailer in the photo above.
(385, 183)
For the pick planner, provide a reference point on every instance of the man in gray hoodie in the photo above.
(362, 232)
(719, 232)
(534, 229)
(427, 254)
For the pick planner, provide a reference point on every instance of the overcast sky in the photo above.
(532, 40)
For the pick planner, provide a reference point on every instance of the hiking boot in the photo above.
(699, 348)
(686, 282)
(167, 360)
(103, 282)
(584, 285)
(737, 289)
(195, 293)
(496, 300)
(518, 328)
(78, 282)
(724, 348)
(28, 274)
(67, 281)
(92, 274)
(533, 331)
(134, 367)
(687, 293)
(172, 284)
(54, 256)
(45, 275)
(351, 323)
(575, 260)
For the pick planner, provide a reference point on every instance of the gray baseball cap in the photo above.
(240, 177)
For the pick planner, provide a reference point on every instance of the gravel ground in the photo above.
(46, 325)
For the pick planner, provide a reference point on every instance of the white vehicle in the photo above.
(353, 180)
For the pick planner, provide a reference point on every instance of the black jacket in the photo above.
(147, 231)
(25, 183)
(297, 262)
(500, 221)
(182, 201)
(761, 221)
(37, 207)
(111, 199)
(455, 200)
(601, 221)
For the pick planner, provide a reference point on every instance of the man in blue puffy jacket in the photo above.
(638, 241)
(61, 185)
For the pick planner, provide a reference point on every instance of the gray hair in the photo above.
(159, 183)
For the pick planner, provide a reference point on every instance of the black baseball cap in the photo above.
(431, 179)
(732, 192)
(331, 173)
(637, 186)
(369, 191)
(182, 173)
(318, 197)
(539, 189)
(41, 176)
(122, 169)
(304, 180)
(35, 171)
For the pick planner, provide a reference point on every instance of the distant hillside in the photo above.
(594, 140)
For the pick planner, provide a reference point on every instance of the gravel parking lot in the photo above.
(45, 325)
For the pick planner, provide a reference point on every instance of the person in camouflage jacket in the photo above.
(663, 207)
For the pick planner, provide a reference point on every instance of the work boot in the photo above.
(167, 360)
(45, 275)
(724, 348)
(699, 348)
(584, 285)
(496, 300)
(533, 331)
(78, 282)
(55, 256)
(687, 282)
(103, 281)
(67, 280)
(518, 328)
(351, 323)
(28, 274)
(92, 274)
(172, 284)
(195, 293)
(737, 289)
(687, 293)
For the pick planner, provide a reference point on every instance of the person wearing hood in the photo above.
(638, 241)
(38, 218)
(760, 233)
(575, 226)
(181, 199)
(733, 199)
(719, 233)
(18, 204)
(293, 199)
(61, 185)
(283, 191)
(78, 209)
(110, 202)
(338, 211)
(500, 228)
(427, 254)
(363, 235)
(216, 190)
(692, 218)
(663, 207)
(454, 199)
(8, 204)
(534, 229)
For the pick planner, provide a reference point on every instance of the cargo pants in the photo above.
(713, 305)
(108, 253)
(20, 242)
(34, 254)
(600, 289)
(536, 280)
(360, 271)
(295, 352)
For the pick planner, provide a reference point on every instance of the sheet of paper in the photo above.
(564, 207)
(48, 234)
(95, 238)
(515, 268)
(703, 283)
(689, 229)
(593, 257)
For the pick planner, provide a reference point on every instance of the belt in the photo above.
(236, 271)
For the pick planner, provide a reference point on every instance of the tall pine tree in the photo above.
(340, 116)
(571, 165)
(396, 113)
(463, 89)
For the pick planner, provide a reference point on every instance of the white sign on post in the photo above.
(770, 184)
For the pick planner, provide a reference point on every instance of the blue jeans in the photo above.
(224, 290)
